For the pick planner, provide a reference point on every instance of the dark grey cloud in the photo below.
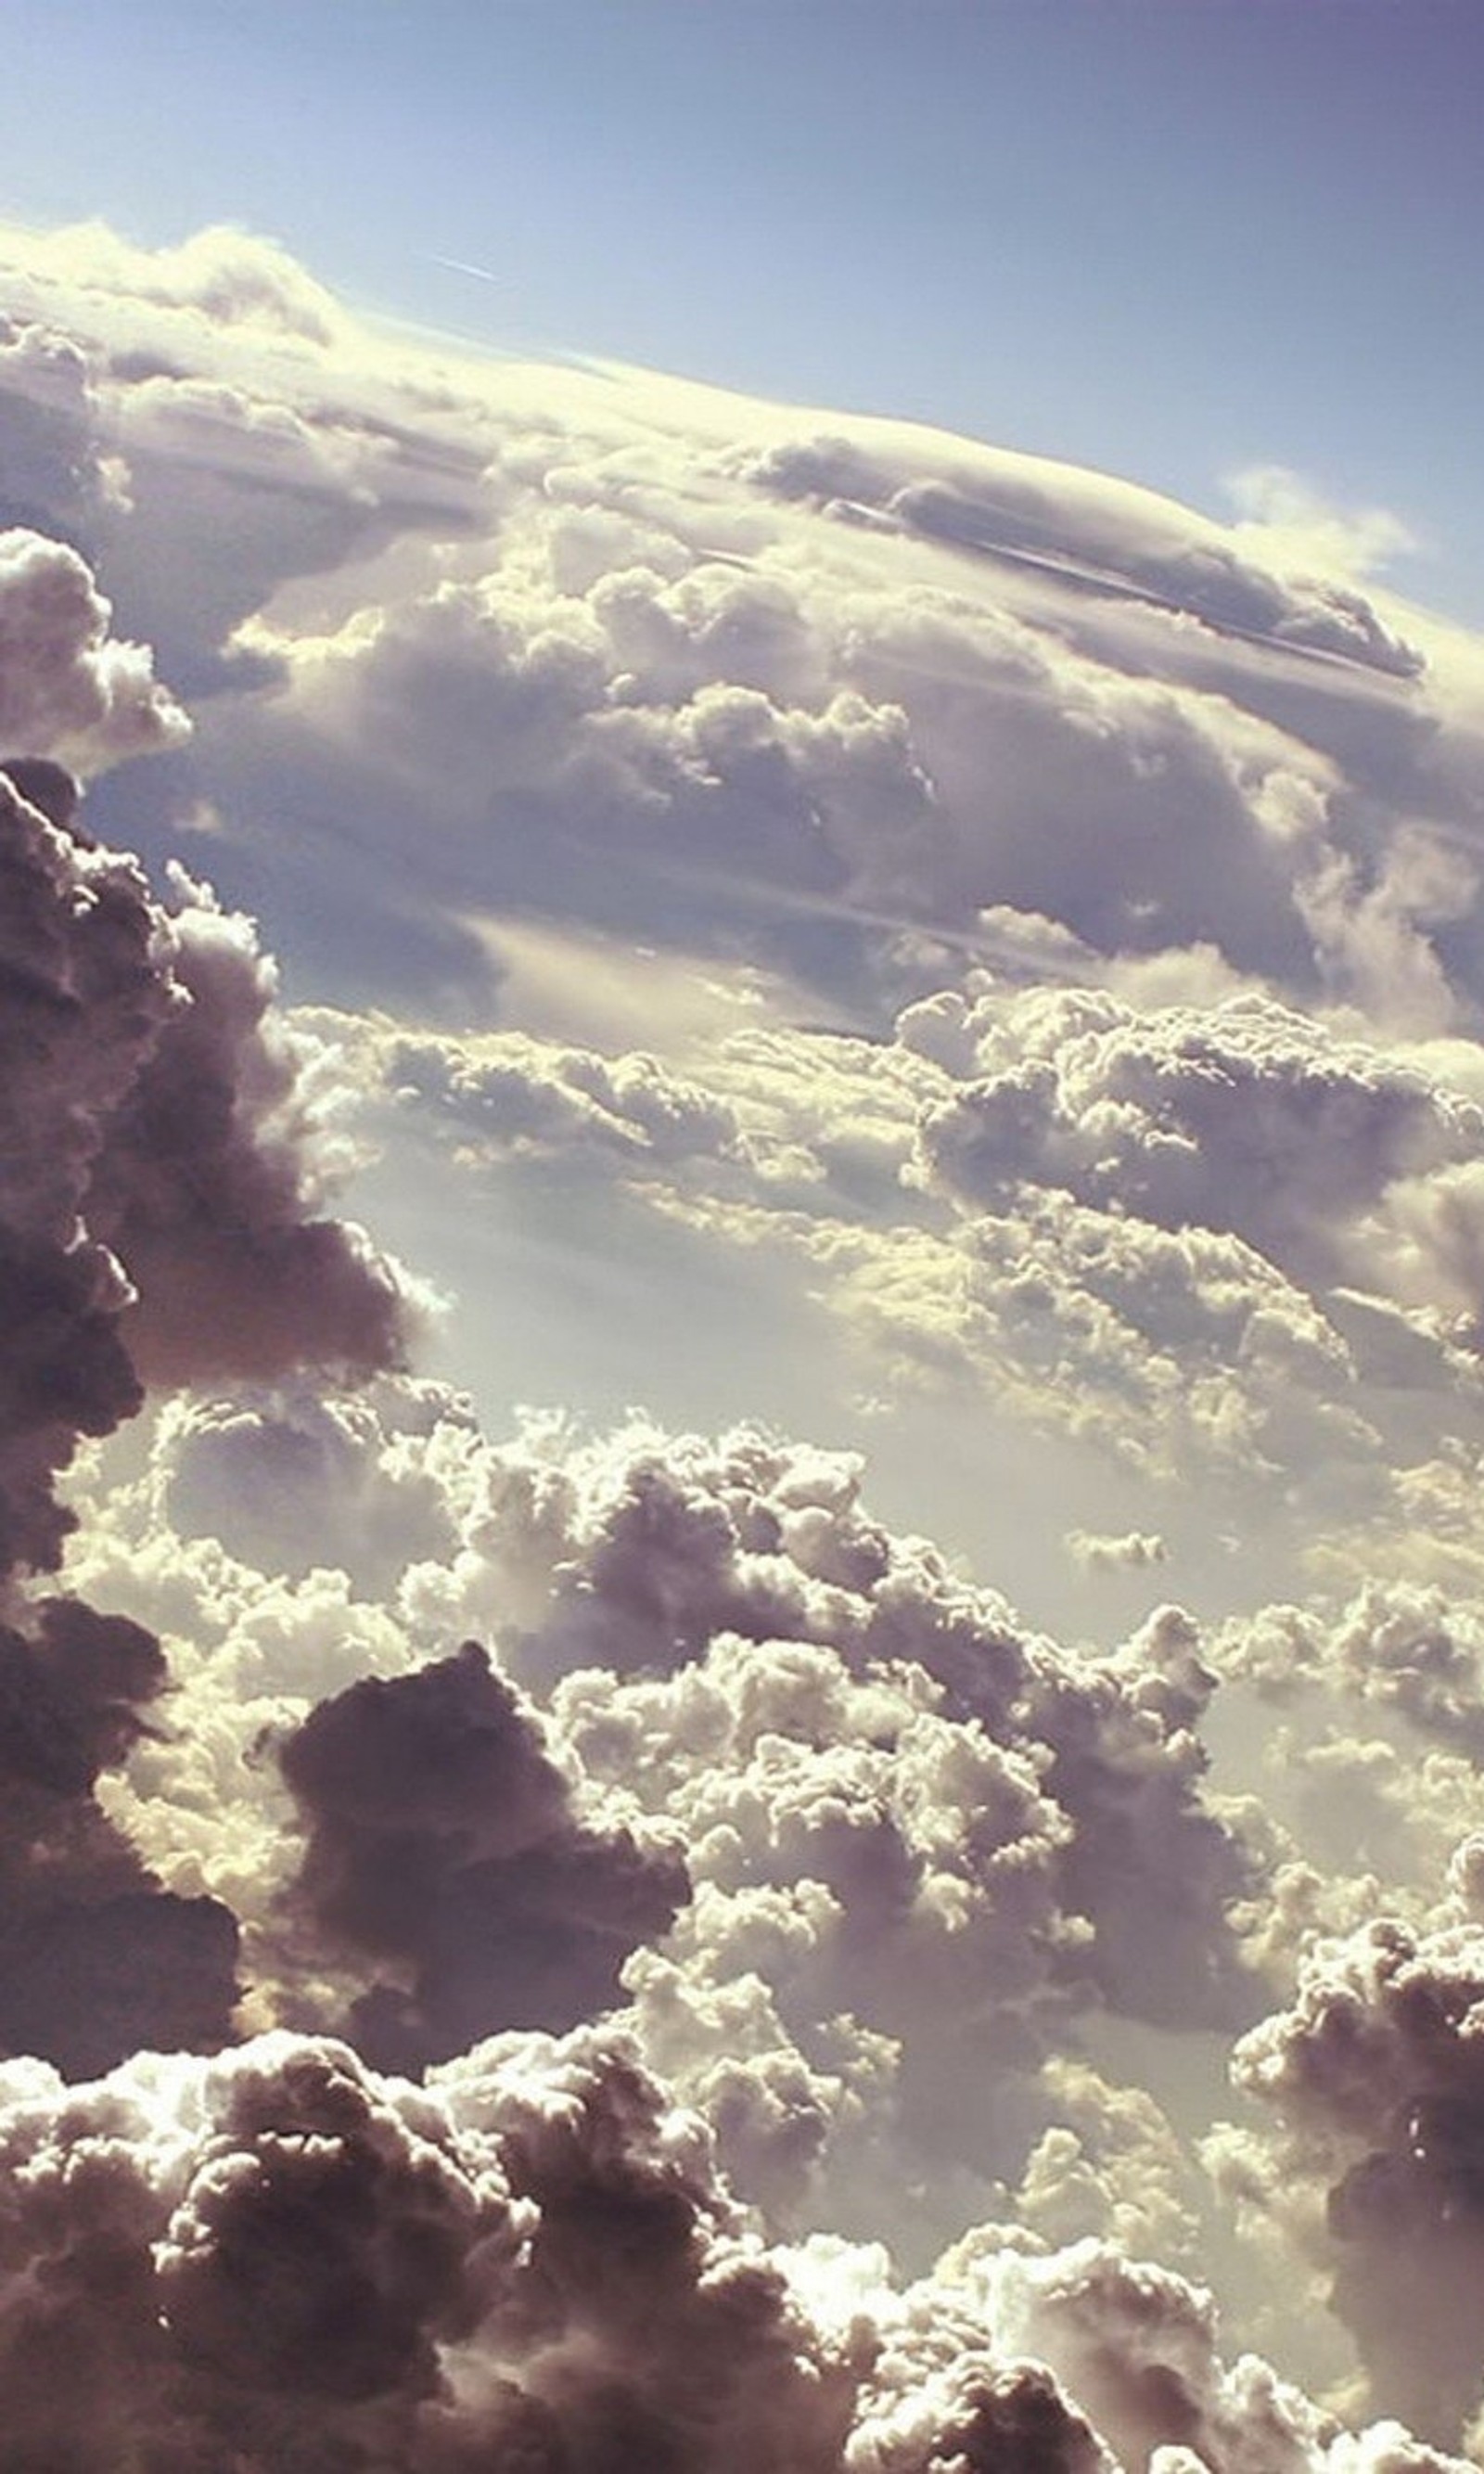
(96, 1959)
(157, 1161)
(442, 1840)
(205, 1189)
(82, 1000)
(272, 2291)
(156, 1223)
(281, 2257)
(65, 1372)
(1375, 2073)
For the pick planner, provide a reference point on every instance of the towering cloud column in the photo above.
(158, 1220)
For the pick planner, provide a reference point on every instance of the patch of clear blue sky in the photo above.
(1167, 238)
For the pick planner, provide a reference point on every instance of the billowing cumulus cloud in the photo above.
(829, 912)
(68, 687)
(159, 1146)
(441, 1836)
(1409, 1649)
(650, 655)
(530, 2261)
(1372, 2073)
(1227, 1236)
(821, 1819)
(1245, 1118)
(160, 1171)
(97, 1959)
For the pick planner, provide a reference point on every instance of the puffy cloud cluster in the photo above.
(68, 687)
(648, 655)
(441, 1836)
(916, 1837)
(658, 1553)
(1224, 1236)
(1405, 1649)
(516, 1096)
(1333, 1159)
(1374, 2074)
(292, 1478)
(284, 2256)
(1066, 930)
(159, 1169)
(95, 1958)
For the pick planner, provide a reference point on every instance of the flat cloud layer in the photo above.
(556, 1942)
(659, 659)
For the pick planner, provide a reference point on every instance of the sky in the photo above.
(1176, 239)
(741, 1241)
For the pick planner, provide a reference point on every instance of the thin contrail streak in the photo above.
(481, 274)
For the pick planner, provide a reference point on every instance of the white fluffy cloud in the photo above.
(68, 687)
(821, 1818)
(1228, 1237)
(643, 653)
(1041, 926)
(1373, 2075)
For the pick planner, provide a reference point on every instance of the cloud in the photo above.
(1227, 1236)
(162, 1151)
(519, 1095)
(1098, 530)
(896, 1804)
(1398, 1648)
(293, 1478)
(1288, 522)
(221, 276)
(1373, 2075)
(95, 1959)
(1244, 1117)
(1036, 925)
(647, 655)
(159, 1143)
(441, 1838)
(283, 2253)
(56, 477)
(816, 1816)
(68, 688)
(210, 1184)
(1134, 1551)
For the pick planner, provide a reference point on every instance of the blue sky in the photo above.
(1172, 238)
